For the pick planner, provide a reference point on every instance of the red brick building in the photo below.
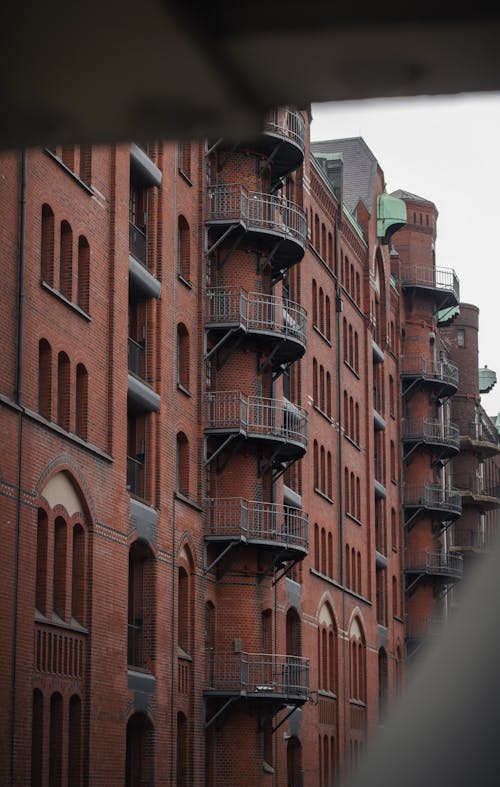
(226, 481)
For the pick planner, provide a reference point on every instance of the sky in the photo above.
(445, 149)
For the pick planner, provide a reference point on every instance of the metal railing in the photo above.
(431, 429)
(256, 416)
(419, 366)
(432, 496)
(137, 358)
(420, 627)
(437, 278)
(136, 476)
(256, 311)
(235, 517)
(257, 211)
(286, 123)
(476, 485)
(258, 673)
(477, 537)
(137, 243)
(135, 644)
(482, 430)
(439, 563)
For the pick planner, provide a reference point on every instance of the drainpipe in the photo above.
(18, 401)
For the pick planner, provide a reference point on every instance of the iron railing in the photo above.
(438, 563)
(436, 278)
(256, 416)
(286, 123)
(137, 243)
(479, 430)
(250, 519)
(419, 366)
(420, 627)
(476, 485)
(256, 210)
(432, 496)
(137, 358)
(256, 311)
(476, 537)
(258, 673)
(431, 429)
(136, 476)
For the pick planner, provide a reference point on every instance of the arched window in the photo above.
(346, 490)
(357, 662)
(321, 311)
(59, 573)
(327, 318)
(330, 555)
(356, 425)
(356, 351)
(81, 401)
(323, 241)
(75, 742)
(330, 251)
(183, 356)
(183, 249)
(346, 414)
(183, 611)
(328, 395)
(185, 158)
(139, 762)
(323, 551)
(45, 379)
(41, 562)
(182, 464)
(315, 382)
(322, 388)
(78, 574)
(141, 606)
(394, 529)
(63, 390)
(323, 470)
(183, 779)
(56, 741)
(83, 274)
(383, 680)
(329, 475)
(344, 340)
(351, 347)
(314, 302)
(316, 241)
(47, 245)
(37, 740)
(347, 566)
(316, 547)
(66, 261)
(316, 464)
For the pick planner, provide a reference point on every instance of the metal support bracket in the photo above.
(285, 571)
(268, 260)
(220, 711)
(228, 440)
(220, 343)
(220, 166)
(268, 360)
(221, 555)
(270, 158)
(236, 243)
(273, 730)
(220, 240)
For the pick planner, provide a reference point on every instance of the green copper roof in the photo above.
(487, 379)
(446, 316)
(391, 215)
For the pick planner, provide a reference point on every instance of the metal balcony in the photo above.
(136, 476)
(270, 317)
(282, 141)
(445, 566)
(441, 439)
(275, 422)
(420, 628)
(274, 225)
(474, 492)
(431, 500)
(252, 522)
(441, 375)
(479, 538)
(440, 284)
(258, 675)
(143, 170)
(141, 396)
(142, 283)
(479, 437)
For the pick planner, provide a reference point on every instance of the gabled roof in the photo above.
(360, 168)
(407, 195)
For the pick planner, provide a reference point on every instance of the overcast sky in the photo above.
(446, 149)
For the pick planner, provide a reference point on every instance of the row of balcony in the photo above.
(258, 675)
(439, 283)
(475, 491)
(431, 432)
(441, 373)
(274, 421)
(440, 564)
(433, 499)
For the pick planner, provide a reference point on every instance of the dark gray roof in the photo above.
(407, 195)
(360, 167)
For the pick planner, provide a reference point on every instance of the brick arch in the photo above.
(66, 464)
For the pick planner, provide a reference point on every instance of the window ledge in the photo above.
(58, 622)
(353, 370)
(323, 336)
(352, 442)
(354, 518)
(185, 282)
(184, 390)
(185, 176)
(187, 501)
(322, 412)
(69, 435)
(323, 494)
(70, 172)
(81, 312)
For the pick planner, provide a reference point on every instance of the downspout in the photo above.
(340, 485)
(18, 401)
